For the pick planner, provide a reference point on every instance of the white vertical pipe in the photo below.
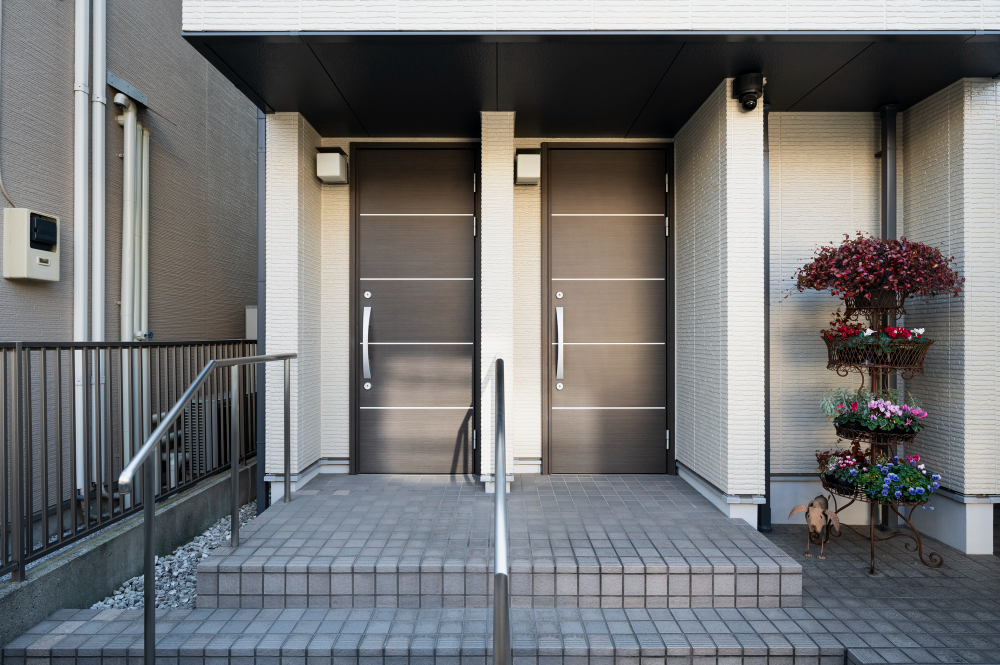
(144, 283)
(137, 236)
(81, 230)
(126, 329)
(128, 121)
(98, 161)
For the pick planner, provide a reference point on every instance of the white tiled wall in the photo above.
(952, 152)
(497, 275)
(719, 305)
(824, 179)
(283, 15)
(293, 288)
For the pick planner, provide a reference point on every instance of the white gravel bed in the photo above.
(176, 572)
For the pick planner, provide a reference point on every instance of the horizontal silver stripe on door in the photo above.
(416, 279)
(605, 408)
(420, 343)
(608, 214)
(608, 279)
(419, 408)
(416, 214)
(610, 343)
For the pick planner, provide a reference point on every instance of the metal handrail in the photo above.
(501, 568)
(128, 474)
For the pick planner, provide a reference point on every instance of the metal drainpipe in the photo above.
(888, 154)
(263, 496)
(764, 510)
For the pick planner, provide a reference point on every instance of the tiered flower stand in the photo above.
(908, 362)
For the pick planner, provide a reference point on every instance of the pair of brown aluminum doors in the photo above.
(604, 273)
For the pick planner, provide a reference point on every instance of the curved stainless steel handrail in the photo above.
(127, 476)
(501, 567)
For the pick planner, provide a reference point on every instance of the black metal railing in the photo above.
(159, 437)
(501, 568)
(72, 415)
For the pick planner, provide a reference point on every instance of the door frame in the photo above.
(668, 146)
(355, 324)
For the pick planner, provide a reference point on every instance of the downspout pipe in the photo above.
(887, 152)
(128, 121)
(98, 130)
(263, 495)
(81, 229)
(764, 510)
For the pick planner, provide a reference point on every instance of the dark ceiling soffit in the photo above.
(206, 50)
(957, 36)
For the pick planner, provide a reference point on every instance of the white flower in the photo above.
(920, 466)
(869, 332)
(917, 331)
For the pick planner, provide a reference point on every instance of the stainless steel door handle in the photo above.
(364, 343)
(560, 335)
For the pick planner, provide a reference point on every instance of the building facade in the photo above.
(639, 290)
(202, 183)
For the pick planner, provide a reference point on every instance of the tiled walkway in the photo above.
(907, 612)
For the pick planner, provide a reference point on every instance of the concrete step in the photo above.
(425, 542)
(427, 637)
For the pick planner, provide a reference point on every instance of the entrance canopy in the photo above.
(630, 85)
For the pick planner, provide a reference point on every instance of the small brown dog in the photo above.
(818, 517)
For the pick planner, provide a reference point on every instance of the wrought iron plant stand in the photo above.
(907, 361)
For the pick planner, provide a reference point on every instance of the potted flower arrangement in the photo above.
(892, 480)
(842, 467)
(852, 346)
(856, 413)
(869, 272)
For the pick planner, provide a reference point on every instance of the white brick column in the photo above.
(496, 277)
(293, 290)
(951, 169)
(719, 273)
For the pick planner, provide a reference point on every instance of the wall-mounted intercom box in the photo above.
(30, 245)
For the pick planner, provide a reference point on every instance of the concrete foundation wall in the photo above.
(91, 569)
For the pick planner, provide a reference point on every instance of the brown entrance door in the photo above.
(415, 309)
(606, 301)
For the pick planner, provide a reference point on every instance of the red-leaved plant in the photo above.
(863, 264)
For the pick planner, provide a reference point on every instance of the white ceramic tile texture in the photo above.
(278, 15)
(951, 143)
(824, 183)
(525, 404)
(336, 315)
(293, 287)
(497, 275)
(719, 287)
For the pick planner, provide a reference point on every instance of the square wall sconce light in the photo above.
(331, 166)
(527, 168)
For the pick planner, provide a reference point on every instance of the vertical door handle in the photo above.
(560, 335)
(364, 343)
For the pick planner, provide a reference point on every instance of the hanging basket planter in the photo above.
(875, 437)
(861, 354)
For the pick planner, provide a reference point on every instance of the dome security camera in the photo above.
(748, 88)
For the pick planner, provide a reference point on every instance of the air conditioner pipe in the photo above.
(129, 123)
(81, 231)
(144, 286)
